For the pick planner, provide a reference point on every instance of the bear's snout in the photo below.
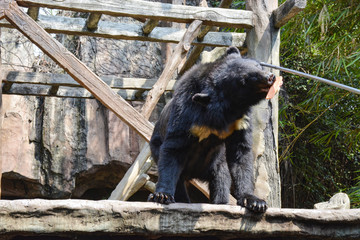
(271, 79)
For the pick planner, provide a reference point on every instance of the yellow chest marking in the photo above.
(203, 132)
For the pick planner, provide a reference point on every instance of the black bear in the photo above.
(205, 132)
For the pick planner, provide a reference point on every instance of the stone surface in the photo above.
(80, 219)
(338, 201)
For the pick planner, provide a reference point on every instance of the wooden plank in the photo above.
(78, 71)
(58, 79)
(153, 10)
(92, 21)
(106, 29)
(177, 56)
(287, 10)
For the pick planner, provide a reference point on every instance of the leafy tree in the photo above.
(320, 124)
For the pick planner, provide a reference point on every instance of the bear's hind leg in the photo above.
(181, 194)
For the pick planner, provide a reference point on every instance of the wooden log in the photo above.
(58, 79)
(150, 186)
(79, 219)
(263, 42)
(69, 92)
(33, 12)
(197, 50)
(92, 21)
(152, 10)
(149, 25)
(177, 56)
(128, 31)
(287, 10)
(78, 71)
(1, 118)
(132, 173)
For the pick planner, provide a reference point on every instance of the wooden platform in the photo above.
(80, 219)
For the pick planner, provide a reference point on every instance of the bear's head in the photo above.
(237, 80)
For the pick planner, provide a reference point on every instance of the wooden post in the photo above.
(263, 44)
(1, 118)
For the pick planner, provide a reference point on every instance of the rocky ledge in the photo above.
(85, 219)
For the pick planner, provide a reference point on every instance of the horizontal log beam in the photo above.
(68, 92)
(287, 10)
(62, 85)
(59, 79)
(80, 218)
(153, 10)
(106, 29)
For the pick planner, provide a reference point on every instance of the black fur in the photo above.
(198, 135)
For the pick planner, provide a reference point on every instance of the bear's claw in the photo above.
(253, 203)
(159, 197)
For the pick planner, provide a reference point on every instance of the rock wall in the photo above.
(67, 147)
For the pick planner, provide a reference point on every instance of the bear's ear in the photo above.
(201, 98)
(233, 50)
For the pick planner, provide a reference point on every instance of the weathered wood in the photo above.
(58, 79)
(33, 12)
(197, 50)
(177, 56)
(287, 10)
(132, 173)
(79, 219)
(263, 42)
(1, 117)
(149, 25)
(127, 31)
(153, 10)
(78, 71)
(69, 92)
(92, 21)
(150, 186)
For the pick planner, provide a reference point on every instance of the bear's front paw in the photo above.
(253, 203)
(160, 197)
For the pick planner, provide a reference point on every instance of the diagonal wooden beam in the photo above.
(197, 50)
(77, 69)
(287, 10)
(177, 56)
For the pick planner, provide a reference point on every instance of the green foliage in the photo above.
(319, 124)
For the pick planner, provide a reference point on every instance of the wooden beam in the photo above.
(58, 79)
(153, 10)
(149, 25)
(177, 56)
(69, 92)
(78, 70)
(128, 31)
(33, 12)
(287, 10)
(263, 43)
(197, 50)
(92, 21)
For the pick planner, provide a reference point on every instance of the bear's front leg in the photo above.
(169, 169)
(240, 161)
